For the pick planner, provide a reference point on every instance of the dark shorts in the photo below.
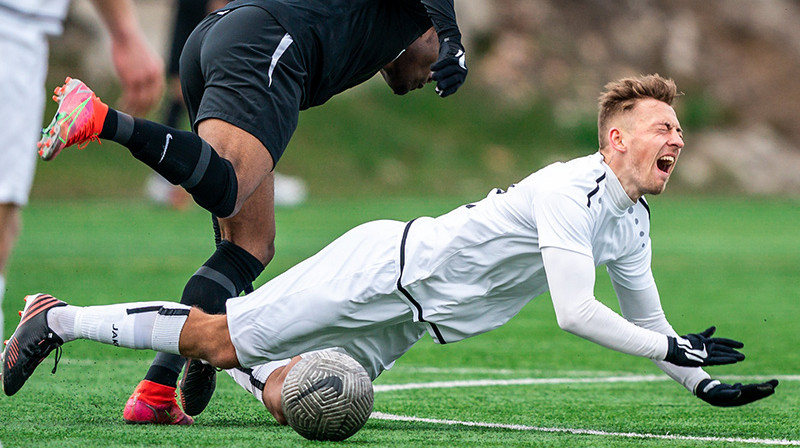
(242, 67)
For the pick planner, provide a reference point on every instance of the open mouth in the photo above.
(665, 163)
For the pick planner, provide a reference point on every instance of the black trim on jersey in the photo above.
(408, 294)
(594, 192)
(646, 207)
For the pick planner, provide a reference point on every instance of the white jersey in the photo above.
(47, 16)
(375, 290)
(471, 270)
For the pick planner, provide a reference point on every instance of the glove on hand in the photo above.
(695, 350)
(450, 70)
(716, 393)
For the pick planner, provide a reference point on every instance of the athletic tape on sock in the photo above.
(219, 278)
(167, 328)
(124, 128)
(200, 168)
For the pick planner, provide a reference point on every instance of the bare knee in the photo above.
(206, 336)
(251, 161)
(273, 388)
(253, 228)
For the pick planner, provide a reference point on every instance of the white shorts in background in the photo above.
(344, 296)
(23, 67)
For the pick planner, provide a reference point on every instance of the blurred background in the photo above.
(536, 69)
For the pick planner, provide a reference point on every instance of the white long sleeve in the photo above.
(571, 276)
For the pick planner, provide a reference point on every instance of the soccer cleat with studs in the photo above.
(197, 386)
(31, 342)
(78, 120)
(154, 404)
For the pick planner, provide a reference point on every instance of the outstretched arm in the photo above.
(139, 68)
(450, 70)
(571, 277)
(644, 309)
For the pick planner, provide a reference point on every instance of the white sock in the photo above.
(61, 320)
(2, 318)
(253, 380)
(142, 325)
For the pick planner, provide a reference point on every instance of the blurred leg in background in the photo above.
(187, 15)
(23, 67)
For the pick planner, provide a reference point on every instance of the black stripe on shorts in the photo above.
(407, 294)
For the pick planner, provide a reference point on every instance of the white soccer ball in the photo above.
(327, 396)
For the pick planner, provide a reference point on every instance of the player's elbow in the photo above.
(569, 321)
(574, 315)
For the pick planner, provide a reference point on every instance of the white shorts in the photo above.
(344, 296)
(23, 67)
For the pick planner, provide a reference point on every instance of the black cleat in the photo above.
(197, 386)
(31, 342)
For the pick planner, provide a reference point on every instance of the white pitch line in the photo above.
(594, 380)
(565, 380)
(629, 435)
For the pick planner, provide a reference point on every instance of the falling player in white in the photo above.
(380, 287)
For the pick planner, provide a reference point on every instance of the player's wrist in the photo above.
(451, 38)
(704, 386)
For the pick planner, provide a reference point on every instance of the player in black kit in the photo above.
(247, 71)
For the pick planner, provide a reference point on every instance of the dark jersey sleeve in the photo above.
(443, 16)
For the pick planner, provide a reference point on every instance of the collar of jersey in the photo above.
(615, 194)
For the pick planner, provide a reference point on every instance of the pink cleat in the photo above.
(155, 404)
(78, 120)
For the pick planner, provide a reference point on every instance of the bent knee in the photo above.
(224, 357)
(267, 253)
(206, 336)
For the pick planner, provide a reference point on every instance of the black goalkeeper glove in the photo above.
(696, 350)
(450, 70)
(720, 394)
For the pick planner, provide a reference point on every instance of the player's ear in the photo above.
(615, 139)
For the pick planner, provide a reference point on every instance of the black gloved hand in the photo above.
(716, 393)
(695, 350)
(450, 70)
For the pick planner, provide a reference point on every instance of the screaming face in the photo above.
(647, 141)
(665, 163)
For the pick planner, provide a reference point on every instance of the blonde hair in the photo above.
(621, 96)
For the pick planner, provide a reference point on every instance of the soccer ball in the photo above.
(327, 396)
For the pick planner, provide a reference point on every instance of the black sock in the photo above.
(182, 157)
(229, 270)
